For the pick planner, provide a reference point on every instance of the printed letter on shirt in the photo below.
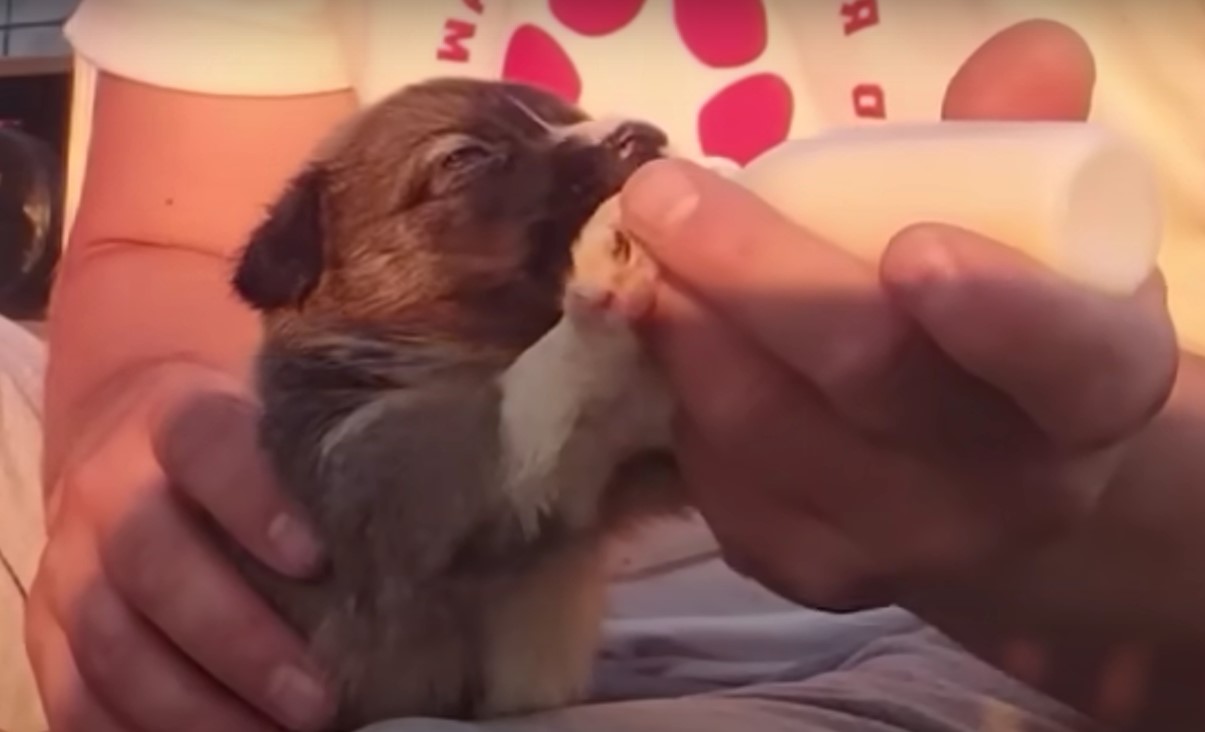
(456, 33)
(869, 101)
(860, 15)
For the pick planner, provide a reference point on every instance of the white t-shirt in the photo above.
(725, 77)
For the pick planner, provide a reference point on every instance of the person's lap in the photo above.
(700, 649)
(690, 646)
(903, 681)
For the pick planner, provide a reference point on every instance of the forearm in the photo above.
(1111, 620)
(175, 183)
(123, 307)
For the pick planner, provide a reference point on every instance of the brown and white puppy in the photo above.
(452, 389)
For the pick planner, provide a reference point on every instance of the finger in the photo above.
(813, 306)
(159, 564)
(127, 665)
(1088, 368)
(209, 447)
(69, 705)
(752, 412)
(821, 313)
(784, 549)
(683, 335)
(1035, 70)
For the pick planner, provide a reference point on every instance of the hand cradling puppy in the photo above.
(452, 387)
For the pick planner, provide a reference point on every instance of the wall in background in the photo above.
(33, 27)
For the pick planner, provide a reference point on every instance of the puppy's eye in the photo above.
(465, 157)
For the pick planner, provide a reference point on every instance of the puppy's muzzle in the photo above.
(633, 144)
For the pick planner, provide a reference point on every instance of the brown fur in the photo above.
(400, 277)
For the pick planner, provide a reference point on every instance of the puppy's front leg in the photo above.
(575, 406)
(586, 396)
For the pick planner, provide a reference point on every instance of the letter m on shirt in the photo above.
(456, 32)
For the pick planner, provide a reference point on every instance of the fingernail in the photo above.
(294, 542)
(925, 266)
(300, 700)
(657, 199)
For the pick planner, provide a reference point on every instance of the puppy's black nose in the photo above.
(634, 144)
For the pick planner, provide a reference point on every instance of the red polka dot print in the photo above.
(534, 57)
(739, 122)
(723, 33)
(596, 17)
(747, 118)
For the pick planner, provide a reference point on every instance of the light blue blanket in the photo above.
(696, 648)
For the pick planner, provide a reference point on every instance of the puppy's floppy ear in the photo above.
(284, 258)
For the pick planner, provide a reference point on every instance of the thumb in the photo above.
(1035, 70)
(1089, 368)
(207, 443)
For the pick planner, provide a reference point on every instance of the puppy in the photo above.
(452, 387)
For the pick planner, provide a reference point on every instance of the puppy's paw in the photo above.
(613, 278)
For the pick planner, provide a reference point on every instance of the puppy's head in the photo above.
(447, 211)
